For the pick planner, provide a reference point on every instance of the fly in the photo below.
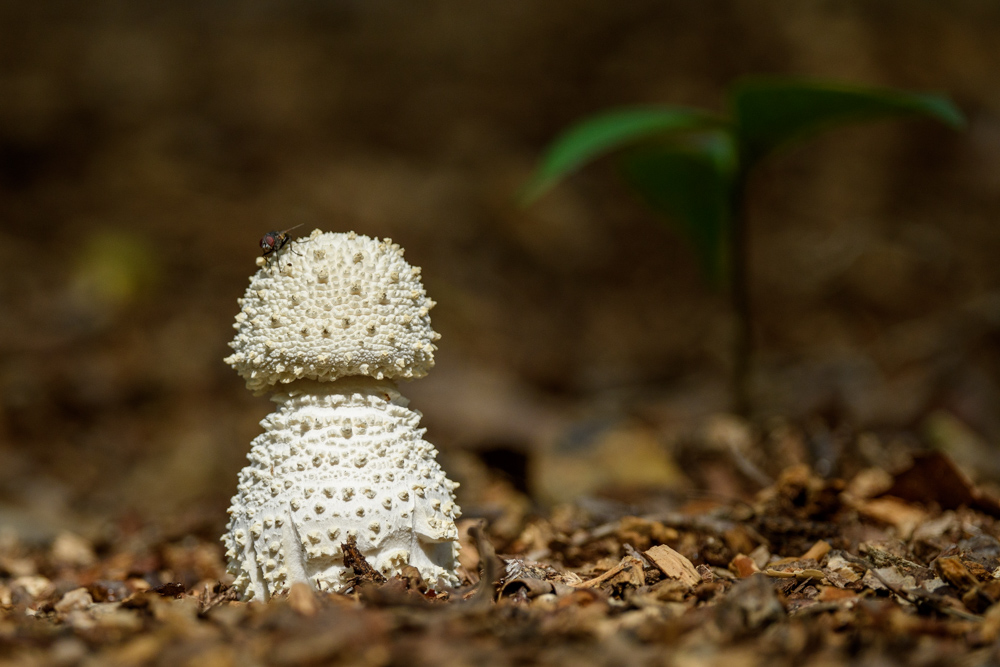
(275, 241)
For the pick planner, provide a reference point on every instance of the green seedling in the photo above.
(692, 166)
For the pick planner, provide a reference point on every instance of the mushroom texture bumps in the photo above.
(328, 325)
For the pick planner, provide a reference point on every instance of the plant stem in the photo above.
(740, 299)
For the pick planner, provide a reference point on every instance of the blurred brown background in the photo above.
(145, 148)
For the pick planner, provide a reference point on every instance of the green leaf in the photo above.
(771, 113)
(691, 185)
(598, 135)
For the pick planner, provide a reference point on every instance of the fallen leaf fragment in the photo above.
(673, 565)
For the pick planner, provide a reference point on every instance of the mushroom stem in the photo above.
(339, 459)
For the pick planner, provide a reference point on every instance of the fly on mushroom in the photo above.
(272, 242)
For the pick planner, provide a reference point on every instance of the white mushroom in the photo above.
(328, 324)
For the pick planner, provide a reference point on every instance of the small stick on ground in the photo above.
(354, 559)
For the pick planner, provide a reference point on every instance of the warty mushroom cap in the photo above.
(333, 305)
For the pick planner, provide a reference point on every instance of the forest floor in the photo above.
(146, 147)
(879, 569)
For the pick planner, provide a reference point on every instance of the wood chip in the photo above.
(952, 570)
(673, 565)
(903, 516)
(302, 599)
(743, 566)
(833, 594)
(628, 571)
(779, 574)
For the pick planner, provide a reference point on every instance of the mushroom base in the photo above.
(340, 459)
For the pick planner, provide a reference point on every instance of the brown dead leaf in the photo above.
(934, 477)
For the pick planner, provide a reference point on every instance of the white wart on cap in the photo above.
(330, 306)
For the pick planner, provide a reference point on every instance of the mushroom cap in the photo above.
(333, 305)
(340, 460)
